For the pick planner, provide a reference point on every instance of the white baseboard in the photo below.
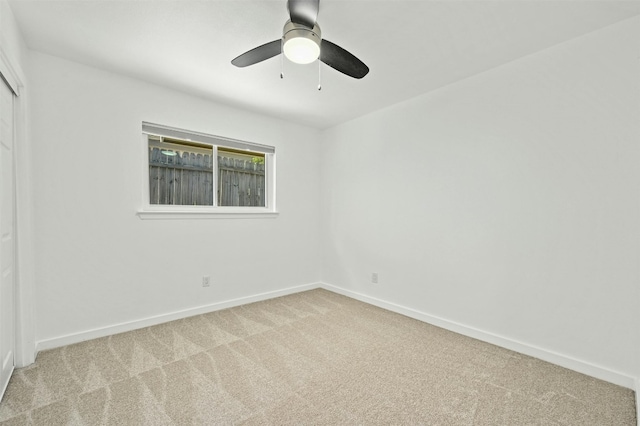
(159, 319)
(571, 363)
(540, 353)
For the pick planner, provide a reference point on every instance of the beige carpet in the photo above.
(309, 358)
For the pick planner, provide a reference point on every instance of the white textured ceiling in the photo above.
(411, 47)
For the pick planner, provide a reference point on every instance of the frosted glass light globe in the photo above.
(301, 50)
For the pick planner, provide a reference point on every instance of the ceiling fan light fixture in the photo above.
(301, 44)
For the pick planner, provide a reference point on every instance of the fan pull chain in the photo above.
(319, 74)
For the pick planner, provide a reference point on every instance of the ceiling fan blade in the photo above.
(259, 54)
(341, 60)
(304, 12)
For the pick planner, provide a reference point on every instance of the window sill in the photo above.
(209, 214)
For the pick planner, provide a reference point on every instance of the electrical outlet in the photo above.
(206, 281)
(374, 277)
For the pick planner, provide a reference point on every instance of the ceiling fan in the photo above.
(302, 43)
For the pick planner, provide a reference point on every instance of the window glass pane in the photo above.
(241, 178)
(180, 173)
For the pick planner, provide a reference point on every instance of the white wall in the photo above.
(98, 264)
(11, 39)
(508, 202)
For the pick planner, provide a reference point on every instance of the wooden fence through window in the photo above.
(187, 179)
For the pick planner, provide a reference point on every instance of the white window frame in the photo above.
(165, 211)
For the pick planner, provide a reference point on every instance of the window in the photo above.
(240, 178)
(190, 174)
(180, 173)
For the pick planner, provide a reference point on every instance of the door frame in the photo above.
(24, 269)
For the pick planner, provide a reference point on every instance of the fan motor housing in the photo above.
(292, 30)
